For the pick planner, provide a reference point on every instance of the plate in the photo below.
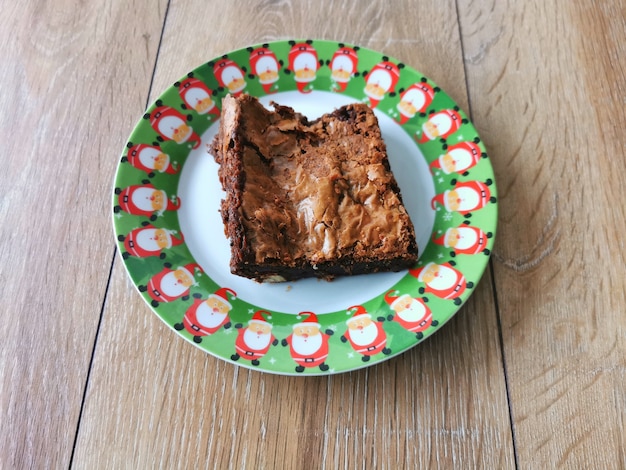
(170, 234)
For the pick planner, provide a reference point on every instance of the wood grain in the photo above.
(171, 405)
(529, 375)
(66, 105)
(559, 265)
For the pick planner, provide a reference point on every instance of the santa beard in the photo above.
(365, 336)
(306, 346)
(255, 341)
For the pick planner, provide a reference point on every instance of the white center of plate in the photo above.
(200, 221)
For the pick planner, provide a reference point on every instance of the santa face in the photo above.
(378, 83)
(306, 339)
(437, 125)
(212, 312)
(414, 100)
(149, 199)
(232, 77)
(410, 309)
(266, 68)
(153, 158)
(439, 277)
(176, 283)
(362, 330)
(342, 68)
(457, 160)
(462, 238)
(153, 239)
(441, 124)
(174, 128)
(217, 305)
(461, 199)
(305, 65)
(199, 99)
(257, 339)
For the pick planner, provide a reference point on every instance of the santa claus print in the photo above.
(415, 99)
(171, 284)
(229, 75)
(307, 344)
(458, 158)
(150, 158)
(464, 240)
(366, 336)
(149, 240)
(382, 79)
(254, 341)
(303, 63)
(441, 124)
(265, 66)
(442, 280)
(343, 66)
(411, 313)
(206, 316)
(145, 200)
(465, 197)
(169, 124)
(197, 96)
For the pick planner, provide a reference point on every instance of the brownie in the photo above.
(308, 198)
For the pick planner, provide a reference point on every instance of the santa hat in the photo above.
(441, 240)
(392, 297)
(438, 198)
(435, 164)
(359, 312)
(419, 272)
(310, 320)
(260, 317)
(222, 296)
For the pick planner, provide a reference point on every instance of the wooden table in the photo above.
(530, 373)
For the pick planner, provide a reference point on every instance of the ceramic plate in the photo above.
(170, 234)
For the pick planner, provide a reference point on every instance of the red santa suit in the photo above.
(171, 125)
(264, 64)
(415, 99)
(441, 125)
(206, 316)
(198, 97)
(443, 280)
(230, 76)
(411, 313)
(366, 337)
(381, 80)
(150, 159)
(149, 240)
(170, 284)
(308, 350)
(254, 342)
(146, 200)
(465, 197)
(458, 158)
(343, 66)
(304, 65)
(464, 240)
